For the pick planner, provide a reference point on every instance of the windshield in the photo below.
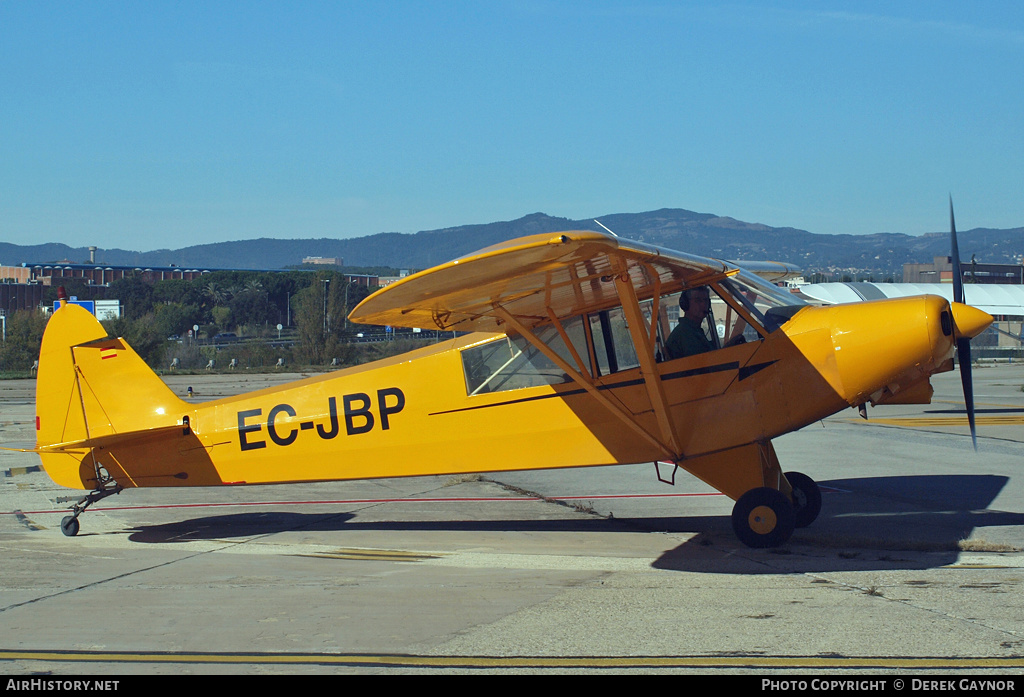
(770, 305)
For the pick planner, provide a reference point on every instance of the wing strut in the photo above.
(584, 373)
(645, 352)
(583, 382)
(644, 337)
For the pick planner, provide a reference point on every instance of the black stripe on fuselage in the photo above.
(680, 374)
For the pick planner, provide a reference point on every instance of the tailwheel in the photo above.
(763, 517)
(806, 498)
(69, 525)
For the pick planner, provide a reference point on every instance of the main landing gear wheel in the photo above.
(763, 517)
(806, 498)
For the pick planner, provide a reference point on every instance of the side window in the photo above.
(738, 309)
(613, 346)
(513, 363)
(729, 324)
(714, 326)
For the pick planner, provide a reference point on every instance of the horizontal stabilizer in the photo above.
(107, 441)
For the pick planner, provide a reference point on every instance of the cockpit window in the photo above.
(770, 306)
(741, 307)
(737, 309)
(613, 345)
(601, 341)
(512, 362)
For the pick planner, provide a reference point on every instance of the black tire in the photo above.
(69, 526)
(806, 498)
(763, 517)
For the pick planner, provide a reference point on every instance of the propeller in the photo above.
(963, 341)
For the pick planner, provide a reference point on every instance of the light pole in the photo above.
(347, 283)
(327, 285)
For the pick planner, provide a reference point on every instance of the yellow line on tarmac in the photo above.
(371, 554)
(414, 661)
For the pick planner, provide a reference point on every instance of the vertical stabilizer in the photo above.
(59, 415)
(90, 386)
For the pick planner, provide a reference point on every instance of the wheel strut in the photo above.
(69, 525)
(806, 498)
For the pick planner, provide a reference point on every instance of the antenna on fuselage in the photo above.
(605, 227)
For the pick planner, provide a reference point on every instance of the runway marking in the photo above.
(17, 471)
(924, 421)
(370, 555)
(28, 522)
(425, 661)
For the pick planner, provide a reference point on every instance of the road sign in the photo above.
(87, 304)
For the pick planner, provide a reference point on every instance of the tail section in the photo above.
(90, 391)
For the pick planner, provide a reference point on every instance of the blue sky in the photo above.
(145, 125)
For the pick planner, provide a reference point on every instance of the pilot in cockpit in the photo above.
(688, 338)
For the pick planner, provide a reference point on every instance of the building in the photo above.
(92, 274)
(388, 280)
(1004, 301)
(23, 287)
(323, 261)
(941, 271)
(20, 296)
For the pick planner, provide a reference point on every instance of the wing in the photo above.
(771, 271)
(567, 274)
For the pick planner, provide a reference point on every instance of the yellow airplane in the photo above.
(564, 364)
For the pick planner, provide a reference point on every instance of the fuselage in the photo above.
(413, 415)
(575, 373)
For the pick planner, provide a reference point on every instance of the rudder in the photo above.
(90, 386)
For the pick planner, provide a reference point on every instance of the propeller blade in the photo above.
(963, 354)
(958, 279)
(963, 341)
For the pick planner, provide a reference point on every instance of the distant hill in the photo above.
(695, 233)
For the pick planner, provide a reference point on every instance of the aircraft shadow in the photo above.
(901, 522)
(237, 525)
(256, 524)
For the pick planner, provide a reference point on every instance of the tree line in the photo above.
(312, 308)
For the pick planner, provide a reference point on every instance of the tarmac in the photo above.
(915, 566)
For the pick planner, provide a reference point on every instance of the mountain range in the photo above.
(702, 234)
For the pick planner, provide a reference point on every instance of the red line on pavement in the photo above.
(337, 502)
